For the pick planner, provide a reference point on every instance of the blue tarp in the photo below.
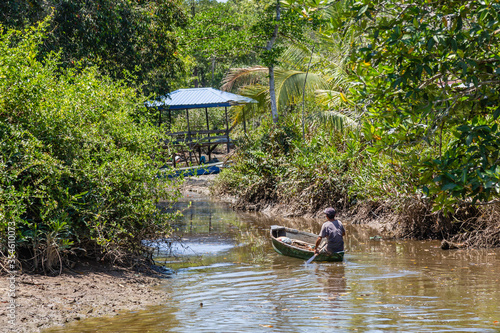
(206, 169)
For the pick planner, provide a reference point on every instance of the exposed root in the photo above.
(468, 226)
(482, 231)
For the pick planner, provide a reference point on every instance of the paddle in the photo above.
(315, 255)
(311, 259)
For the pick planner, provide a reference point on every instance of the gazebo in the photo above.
(199, 98)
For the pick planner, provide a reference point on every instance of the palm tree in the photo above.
(317, 70)
(302, 72)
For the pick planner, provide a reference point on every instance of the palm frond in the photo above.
(242, 77)
(258, 92)
(290, 85)
(337, 120)
(297, 57)
(330, 99)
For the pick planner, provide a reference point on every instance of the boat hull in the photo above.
(295, 251)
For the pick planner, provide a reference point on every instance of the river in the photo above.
(229, 279)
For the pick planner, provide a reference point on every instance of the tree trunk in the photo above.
(213, 71)
(304, 95)
(269, 46)
(195, 74)
(272, 95)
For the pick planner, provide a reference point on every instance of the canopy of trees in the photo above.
(76, 160)
(132, 40)
(430, 80)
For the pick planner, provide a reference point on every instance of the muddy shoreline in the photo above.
(88, 290)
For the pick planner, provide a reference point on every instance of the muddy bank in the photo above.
(467, 227)
(87, 290)
(202, 185)
(404, 217)
(377, 219)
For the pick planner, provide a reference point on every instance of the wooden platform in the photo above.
(191, 144)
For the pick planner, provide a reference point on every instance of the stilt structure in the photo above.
(198, 141)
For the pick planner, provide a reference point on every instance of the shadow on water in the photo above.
(229, 279)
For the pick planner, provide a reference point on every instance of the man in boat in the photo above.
(334, 231)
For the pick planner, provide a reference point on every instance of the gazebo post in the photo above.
(170, 130)
(189, 135)
(208, 134)
(244, 122)
(227, 130)
(169, 120)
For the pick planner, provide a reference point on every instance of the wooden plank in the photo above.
(193, 133)
(196, 140)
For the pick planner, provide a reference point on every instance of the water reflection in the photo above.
(245, 286)
(332, 278)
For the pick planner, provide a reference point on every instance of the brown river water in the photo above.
(229, 279)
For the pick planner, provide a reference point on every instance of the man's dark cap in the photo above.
(330, 211)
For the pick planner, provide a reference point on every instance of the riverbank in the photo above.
(202, 185)
(402, 216)
(361, 215)
(87, 290)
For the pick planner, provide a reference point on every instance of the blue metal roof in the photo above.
(195, 98)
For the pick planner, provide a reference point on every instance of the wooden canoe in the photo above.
(301, 244)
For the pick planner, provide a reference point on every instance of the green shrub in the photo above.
(76, 158)
(275, 165)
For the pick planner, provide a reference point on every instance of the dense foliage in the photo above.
(275, 166)
(420, 97)
(430, 81)
(76, 159)
(131, 40)
(380, 102)
(217, 37)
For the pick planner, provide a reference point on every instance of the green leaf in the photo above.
(464, 176)
(469, 139)
(430, 44)
(453, 43)
(425, 189)
(448, 186)
(362, 10)
(496, 114)
(459, 24)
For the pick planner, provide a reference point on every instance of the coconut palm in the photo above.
(316, 70)
(301, 73)
(289, 87)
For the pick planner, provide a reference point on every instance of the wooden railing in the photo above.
(196, 140)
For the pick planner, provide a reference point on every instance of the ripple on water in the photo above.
(383, 285)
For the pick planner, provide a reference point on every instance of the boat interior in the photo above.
(303, 240)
